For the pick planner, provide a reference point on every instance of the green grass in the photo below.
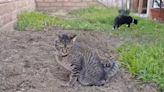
(145, 62)
(92, 19)
(142, 53)
(38, 21)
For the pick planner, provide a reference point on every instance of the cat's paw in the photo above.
(65, 85)
(101, 83)
(68, 84)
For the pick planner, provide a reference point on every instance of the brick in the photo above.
(13, 6)
(65, 3)
(31, 4)
(62, 0)
(93, 3)
(50, 1)
(69, 4)
(19, 4)
(75, 0)
(56, 4)
(47, 8)
(39, 0)
(71, 8)
(4, 8)
(43, 4)
(14, 15)
(84, 4)
(88, 0)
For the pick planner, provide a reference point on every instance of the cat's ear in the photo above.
(73, 37)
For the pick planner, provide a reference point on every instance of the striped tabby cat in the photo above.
(85, 65)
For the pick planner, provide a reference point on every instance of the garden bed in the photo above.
(28, 63)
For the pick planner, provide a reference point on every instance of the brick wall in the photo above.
(9, 10)
(52, 5)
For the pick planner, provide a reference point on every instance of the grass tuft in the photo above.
(38, 21)
(146, 63)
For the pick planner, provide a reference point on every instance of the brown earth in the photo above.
(27, 63)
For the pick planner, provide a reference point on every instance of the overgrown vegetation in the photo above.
(143, 52)
(38, 21)
(145, 62)
(93, 19)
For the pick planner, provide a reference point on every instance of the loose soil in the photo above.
(27, 63)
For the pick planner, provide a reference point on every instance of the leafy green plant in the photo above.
(145, 62)
(37, 21)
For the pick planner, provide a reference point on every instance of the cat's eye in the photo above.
(107, 65)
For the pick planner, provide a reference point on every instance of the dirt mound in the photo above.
(27, 63)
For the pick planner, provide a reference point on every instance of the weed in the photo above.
(37, 21)
(145, 62)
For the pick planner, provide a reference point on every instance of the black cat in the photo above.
(122, 19)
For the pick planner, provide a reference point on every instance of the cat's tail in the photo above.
(112, 70)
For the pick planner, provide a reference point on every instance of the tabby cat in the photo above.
(85, 65)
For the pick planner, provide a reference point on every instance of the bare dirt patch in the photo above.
(27, 63)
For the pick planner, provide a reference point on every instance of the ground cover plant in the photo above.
(142, 53)
(37, 21)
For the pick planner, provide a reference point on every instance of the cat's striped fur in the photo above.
(86, 66)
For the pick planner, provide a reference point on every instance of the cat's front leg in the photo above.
(100, 83)
(73, 80)
(71, 83)
(128, 25)
(116, 26)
